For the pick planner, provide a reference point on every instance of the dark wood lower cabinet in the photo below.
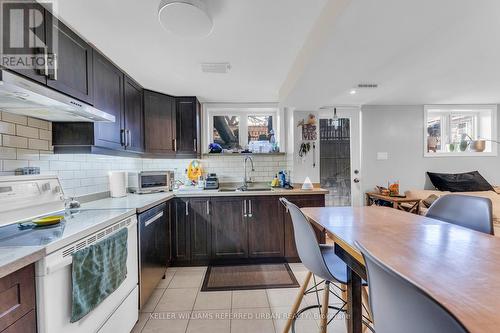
(17, 301)
(235, 228)
(199, 220)
(265, 227)
(301, 201)
(181, 240)
(229, 228)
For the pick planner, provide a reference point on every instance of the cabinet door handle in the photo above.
(122, 137)
(129, 137)
(208, 207)
(194, 145)
(54, 63)
(249, 208)
(153, 219)
(187, 210)
(245, 208)
(175, 144)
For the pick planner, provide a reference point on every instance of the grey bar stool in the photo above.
(400, 306)
(464, 210)
(320, 260)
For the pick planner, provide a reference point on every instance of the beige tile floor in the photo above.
(178, 306)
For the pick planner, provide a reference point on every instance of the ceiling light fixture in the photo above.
(353, 92)
(185, 18)
(335, 121)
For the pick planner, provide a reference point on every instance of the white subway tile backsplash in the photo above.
(28, 132)
(38, 123)
(7, 128)
(14, 141)
(38, 144)
(45, 135)
(7, 153)
(28, 154)
(12, 165)
(14, 118)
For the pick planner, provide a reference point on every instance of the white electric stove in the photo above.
(23, 198)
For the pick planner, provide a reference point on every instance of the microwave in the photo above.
(150, 181)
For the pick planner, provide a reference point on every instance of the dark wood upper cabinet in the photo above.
(159, 123)
(187, 111)
(265, 227)
(229, 228)
(134, 116)
(109, 97)
(73, 73)
(38, 75)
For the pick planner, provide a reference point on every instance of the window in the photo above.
(460, 130)
(238, 128)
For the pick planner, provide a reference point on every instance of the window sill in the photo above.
(462, 154)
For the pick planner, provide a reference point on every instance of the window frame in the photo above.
(448, 109)
(243, 111)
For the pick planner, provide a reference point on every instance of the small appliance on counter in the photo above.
(117, 184)
(151, 181)
(212, 182)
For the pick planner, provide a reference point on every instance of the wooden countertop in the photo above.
(459, 267)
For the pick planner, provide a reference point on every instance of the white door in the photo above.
(340, 156)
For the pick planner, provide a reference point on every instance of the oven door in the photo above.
(53, 291)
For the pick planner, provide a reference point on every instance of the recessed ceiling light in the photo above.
(353, 92)
(185, 18)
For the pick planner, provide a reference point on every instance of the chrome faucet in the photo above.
(246, 180)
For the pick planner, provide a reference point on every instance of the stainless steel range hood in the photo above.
(22, 96)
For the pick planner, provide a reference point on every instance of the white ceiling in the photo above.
(260, 38)
(419, 52)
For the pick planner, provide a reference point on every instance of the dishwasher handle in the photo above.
(153, 219)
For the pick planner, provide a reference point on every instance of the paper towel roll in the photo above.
(118, 184)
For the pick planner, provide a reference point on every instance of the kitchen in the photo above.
(157, 159)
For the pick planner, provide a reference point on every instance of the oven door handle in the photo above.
(153, 219)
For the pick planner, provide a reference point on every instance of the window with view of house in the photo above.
(460, 130)
(242, 128)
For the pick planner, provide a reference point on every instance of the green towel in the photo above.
(98, 270)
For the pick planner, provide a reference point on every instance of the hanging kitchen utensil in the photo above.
(314, 154)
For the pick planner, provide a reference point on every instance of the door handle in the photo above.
(122, 137)
(129, 137)
(249, 208)
(245, 208)
(153, 219)
(54, 65)
(187, 210)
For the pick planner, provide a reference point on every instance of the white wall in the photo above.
(398, 130)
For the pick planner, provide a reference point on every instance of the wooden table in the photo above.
(396, 201)
(459, 267)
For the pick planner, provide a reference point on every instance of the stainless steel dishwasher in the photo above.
(153, 249)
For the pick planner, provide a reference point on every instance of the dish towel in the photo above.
(97, 271)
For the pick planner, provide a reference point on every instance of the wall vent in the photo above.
(215, 67)
(367, 85)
